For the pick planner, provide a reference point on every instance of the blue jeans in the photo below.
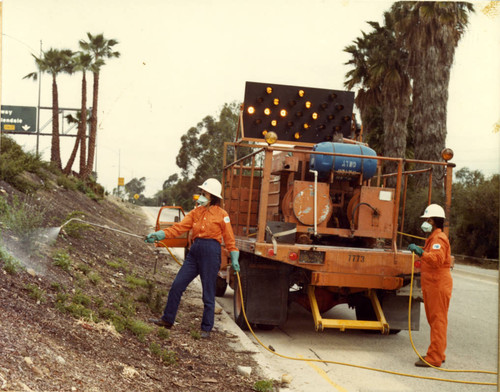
(203, 259)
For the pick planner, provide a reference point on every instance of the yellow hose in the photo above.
(366, 367)
(171, 254)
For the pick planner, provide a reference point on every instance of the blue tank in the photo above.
(325, 163)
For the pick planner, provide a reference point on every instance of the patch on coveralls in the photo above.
(436, 246)
(226, 219)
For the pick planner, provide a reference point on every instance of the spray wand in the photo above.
(101, 226)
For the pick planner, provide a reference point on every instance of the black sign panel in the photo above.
(298, 115)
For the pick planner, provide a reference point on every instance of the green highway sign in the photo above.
(18, 118)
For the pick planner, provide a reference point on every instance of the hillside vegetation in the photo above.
(75, 302)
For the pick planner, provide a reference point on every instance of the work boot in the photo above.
(161, 323)
(205, 334)
(421, 363)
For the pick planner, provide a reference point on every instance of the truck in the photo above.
(316, 218)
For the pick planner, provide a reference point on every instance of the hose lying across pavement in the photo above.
(366, 367)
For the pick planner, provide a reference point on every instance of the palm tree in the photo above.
(388, 67)
(99, 48)
(54, 62)
(430, 32)
(81, 62)
(380, 68)
(368, 95)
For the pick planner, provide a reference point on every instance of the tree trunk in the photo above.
(395, 112)
(69, 165)
(430, 99)
(93, 127)
(55, 151)
(82, 130)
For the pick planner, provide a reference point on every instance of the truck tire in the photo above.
(220, 287)
(364, 311)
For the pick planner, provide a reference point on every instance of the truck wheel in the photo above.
(220, 287)
(364, 311)
(265, 327)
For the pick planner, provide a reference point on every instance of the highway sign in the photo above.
(18, 118)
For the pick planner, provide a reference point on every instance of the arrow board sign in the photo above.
(18, 118)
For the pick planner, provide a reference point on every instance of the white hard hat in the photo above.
(212, 186)
(433, 211)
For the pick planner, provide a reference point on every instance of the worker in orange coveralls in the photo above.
(436, 281)
(210, 225)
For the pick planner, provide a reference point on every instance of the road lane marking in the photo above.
(323, 374)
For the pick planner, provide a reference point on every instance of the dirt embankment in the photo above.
(75, 318)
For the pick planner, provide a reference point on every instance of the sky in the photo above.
(182, 60)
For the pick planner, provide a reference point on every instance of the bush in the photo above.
(10, 264)
(75, 228)
(14, 161)
(67, 182)
(21, 217)
(475, 215)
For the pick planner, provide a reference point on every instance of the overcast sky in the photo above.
(182, 60)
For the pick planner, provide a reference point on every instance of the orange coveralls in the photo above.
(206, 222)
(437, 285)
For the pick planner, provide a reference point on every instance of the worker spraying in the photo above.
(210, 224)
(437, 284)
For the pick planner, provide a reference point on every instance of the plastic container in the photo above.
(347, 165)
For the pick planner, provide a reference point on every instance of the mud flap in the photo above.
(267, 292)
(395, 309)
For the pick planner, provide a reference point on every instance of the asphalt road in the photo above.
(472, 344)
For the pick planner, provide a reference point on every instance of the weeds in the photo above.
(62, 259)
(135, 281)
(118, 322)
(163, 333)
(139, 328)
(168, 357)
(263, 386)
(126, 306)
(57, 287)
(84, 268)
(81, 299)
(195, 334)
(80, 311)
(94, 278)
(35, 292)
(118, 264)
